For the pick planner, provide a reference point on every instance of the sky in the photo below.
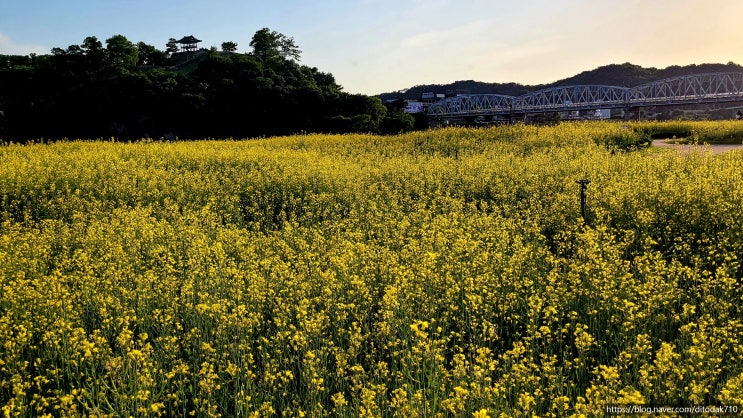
(377, 46)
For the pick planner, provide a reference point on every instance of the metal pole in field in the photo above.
(583, 185)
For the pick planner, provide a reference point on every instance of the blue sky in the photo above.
(375, 46)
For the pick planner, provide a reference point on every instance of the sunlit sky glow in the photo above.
(376, 46)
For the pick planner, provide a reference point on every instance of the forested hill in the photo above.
(125, 90)
(622, 75)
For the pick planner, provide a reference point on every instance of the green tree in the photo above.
(171, 47)
(92, 44)
(397, 122)
(229, 46)
(94, 53)
(268, 44)
(120, 52)
(149, 55)
(360, 113)
(75, 50)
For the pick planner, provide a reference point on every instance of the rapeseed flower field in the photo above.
(438, 273)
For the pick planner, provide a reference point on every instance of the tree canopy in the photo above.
(267, 44)
(120, 52)
(229, 46)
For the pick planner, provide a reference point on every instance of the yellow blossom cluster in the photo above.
(431, 274)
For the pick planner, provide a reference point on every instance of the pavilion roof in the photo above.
(190, 39)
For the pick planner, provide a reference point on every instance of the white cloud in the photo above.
(10, 47)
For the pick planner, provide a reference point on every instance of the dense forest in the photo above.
(125, 90)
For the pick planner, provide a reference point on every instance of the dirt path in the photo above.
(716, 149)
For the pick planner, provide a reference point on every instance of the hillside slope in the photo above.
(623, 75)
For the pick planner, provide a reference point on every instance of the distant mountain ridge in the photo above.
(621, 75)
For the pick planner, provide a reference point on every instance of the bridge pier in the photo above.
(517, 117)
(633, 113)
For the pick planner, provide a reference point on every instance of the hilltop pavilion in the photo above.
(189, 43)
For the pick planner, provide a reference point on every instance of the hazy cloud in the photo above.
(9, 47)
(462, 34)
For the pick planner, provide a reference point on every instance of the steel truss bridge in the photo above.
(691, 89)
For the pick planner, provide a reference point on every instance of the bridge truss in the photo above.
(698, 88)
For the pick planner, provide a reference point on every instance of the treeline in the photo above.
(126, 91)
